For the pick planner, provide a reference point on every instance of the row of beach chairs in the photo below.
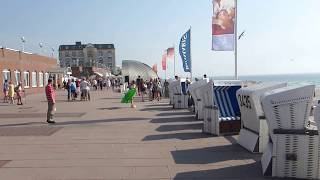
(271, 118)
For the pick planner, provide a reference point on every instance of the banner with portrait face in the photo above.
(223, 25)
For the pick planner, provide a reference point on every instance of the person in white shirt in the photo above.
(95, 84)
(84, 85)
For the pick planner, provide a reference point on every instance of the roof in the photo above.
(82, 46)
(133, 69)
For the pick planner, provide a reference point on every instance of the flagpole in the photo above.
(174, 60)
(190, 57)
(236, 43)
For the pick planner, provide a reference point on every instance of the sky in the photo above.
(281, 36)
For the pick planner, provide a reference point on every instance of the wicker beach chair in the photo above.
(293, 147)
(221, 110)
(254, 129)
(194, 90)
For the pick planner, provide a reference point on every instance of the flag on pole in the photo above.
(223, 25)
(155, 68)
(185, 51)
(170, 53)
(164, 62)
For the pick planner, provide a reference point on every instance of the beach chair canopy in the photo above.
(288, 107)
(250, 104)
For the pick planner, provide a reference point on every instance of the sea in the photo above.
(291, 79)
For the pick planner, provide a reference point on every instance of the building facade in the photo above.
(32, 70)
(87, 55)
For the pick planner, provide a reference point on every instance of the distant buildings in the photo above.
(32, 70)
(87, 55)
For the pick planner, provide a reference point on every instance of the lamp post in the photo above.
(41, 46)
(52, 52)
(23, 40)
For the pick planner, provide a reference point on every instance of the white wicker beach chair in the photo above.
(293, 148)
(180, 95)
(171, 85)
(221, 110)
(254, 129)
(194, 90)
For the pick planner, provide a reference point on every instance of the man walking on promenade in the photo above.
(51, 97)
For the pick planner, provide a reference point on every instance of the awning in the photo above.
(97, 73)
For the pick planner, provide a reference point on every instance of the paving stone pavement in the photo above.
(104, 139)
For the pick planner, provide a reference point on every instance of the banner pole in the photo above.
(190, 57)
(236, 43)
(174, 60)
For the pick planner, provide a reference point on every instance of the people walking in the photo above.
(68, 88)
(133, 86)
(73, 89)
(18, 91)
(51, 97)
(84, 85)
(5, 91)
(95, 84)
(11, 92)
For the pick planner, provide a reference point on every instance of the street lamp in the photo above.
(52, 50)
(41, 46)
(23, 40)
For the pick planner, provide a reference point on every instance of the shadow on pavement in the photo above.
(157, 109)
(173, 120)
(231, 139)
(180, 136)
(212, 154)
(111, 98)
(99, 121)
(110, 108)
(248, 171)
(178, 127)
(175, 113)
(22, 124)
(156, 105)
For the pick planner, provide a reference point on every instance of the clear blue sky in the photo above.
(282, 36)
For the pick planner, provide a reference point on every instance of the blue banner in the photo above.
(184, 50)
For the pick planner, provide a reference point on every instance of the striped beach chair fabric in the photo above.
(224, 97)
(184, 88)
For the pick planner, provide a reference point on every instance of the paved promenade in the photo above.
(104, 139)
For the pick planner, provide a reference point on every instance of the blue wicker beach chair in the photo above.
(222, 113)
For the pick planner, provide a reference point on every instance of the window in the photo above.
(40, 79)
(46, 77)
(67, 54)
(74, 54)
(17, 75)
(6, 75)
(81, 54)
(26, 79)
(34, 79)
(109, 54)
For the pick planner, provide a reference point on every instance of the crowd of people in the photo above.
(81, 87)
(152, 89)
(12, 92)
